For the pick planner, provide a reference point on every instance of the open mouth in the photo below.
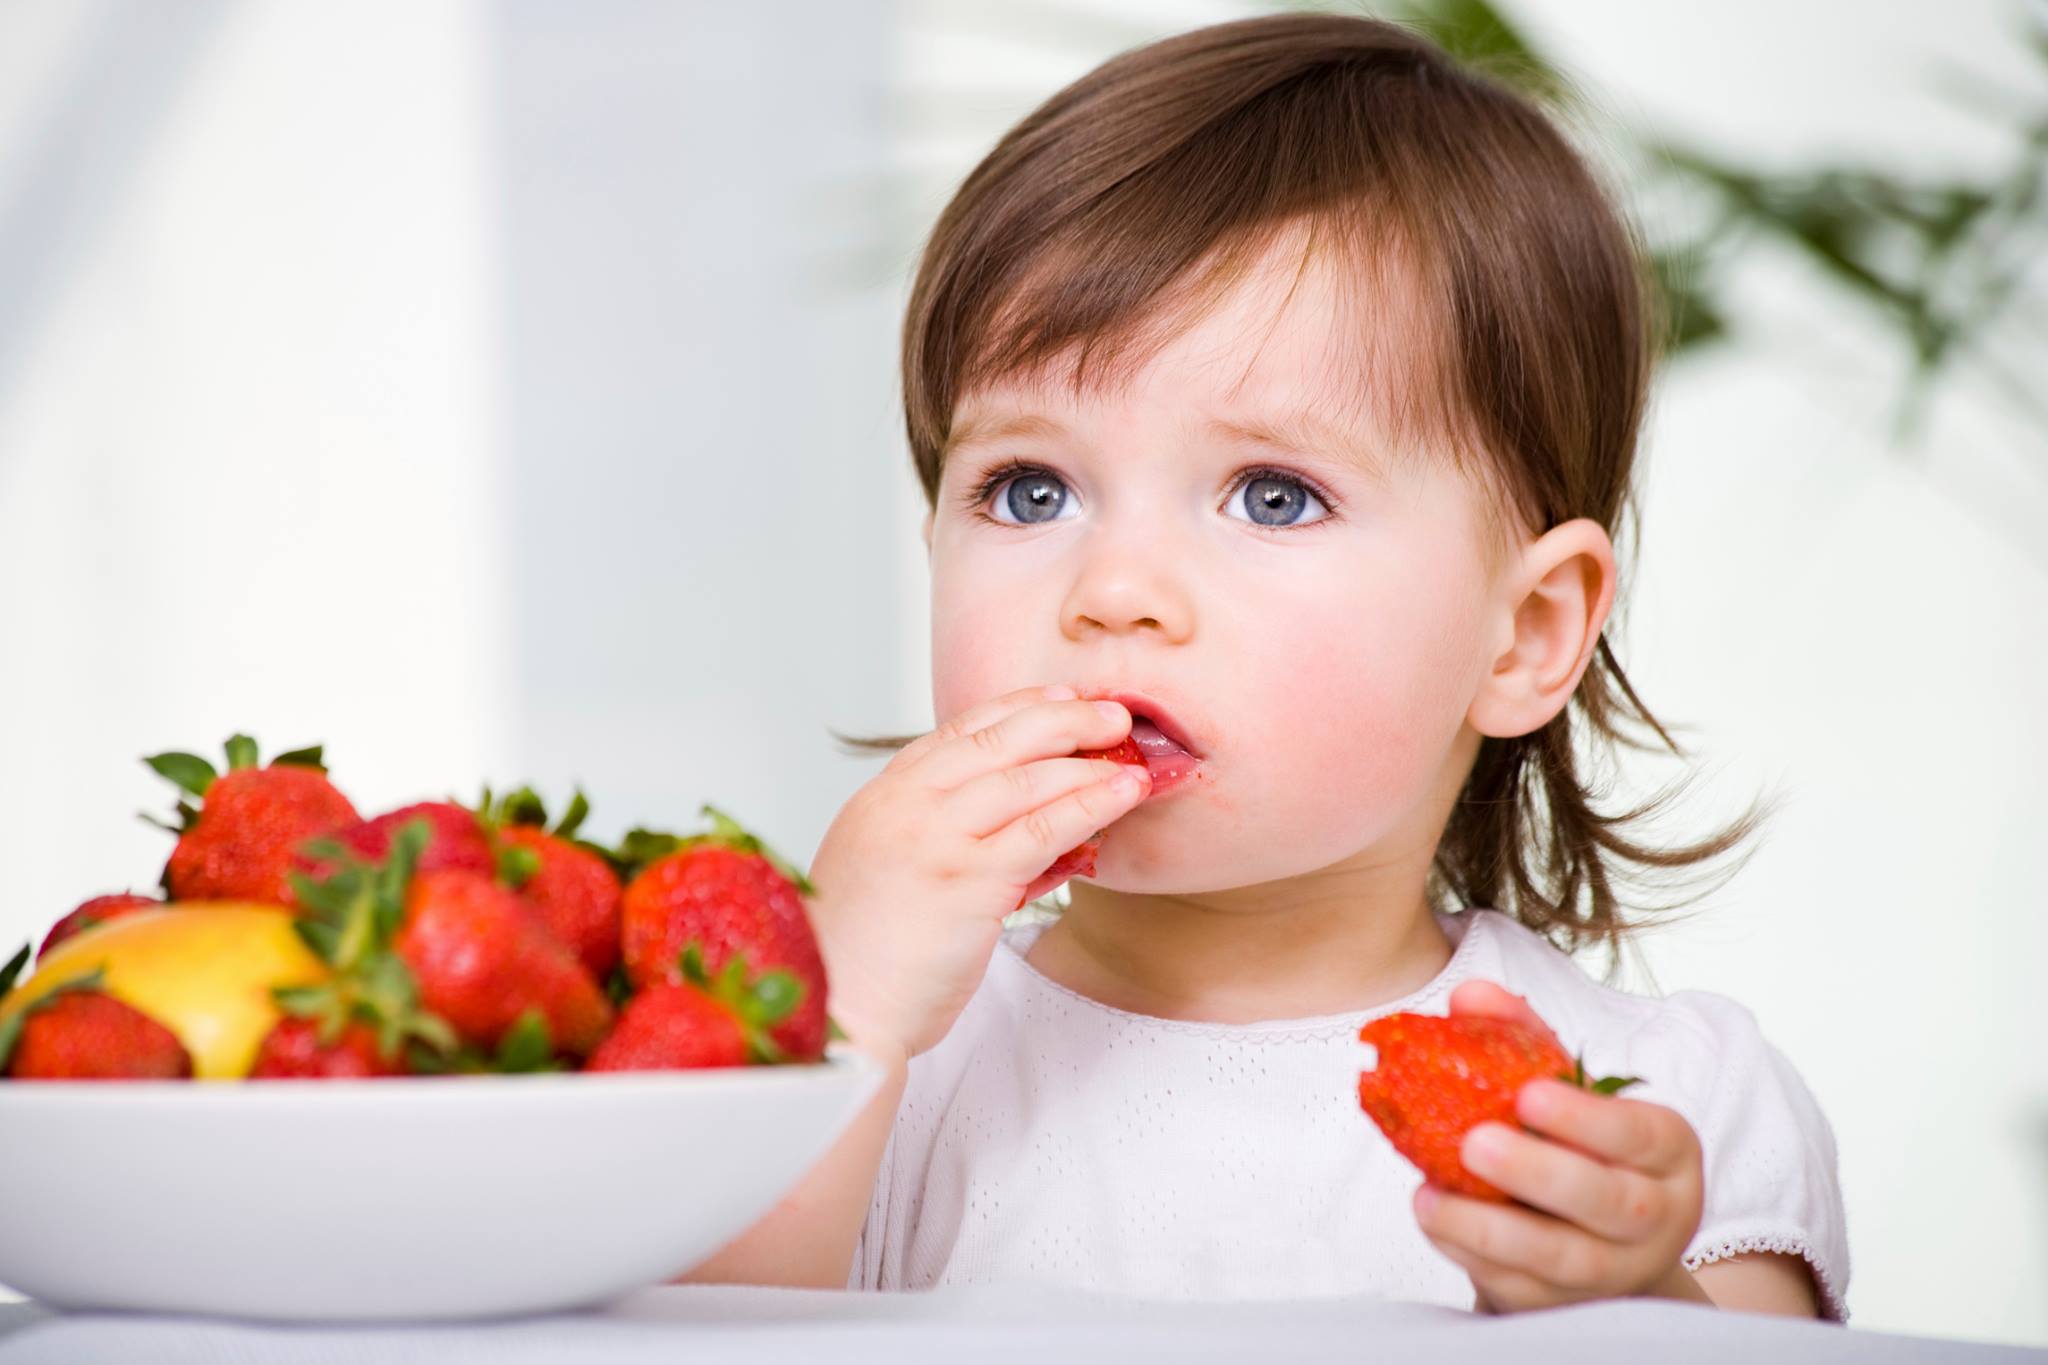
(1168, 757)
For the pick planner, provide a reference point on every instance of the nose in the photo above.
(1125, 589)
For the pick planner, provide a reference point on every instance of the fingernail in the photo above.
(1425, 1200)
(1113, 710)
(1061, 692)
(1126, 781)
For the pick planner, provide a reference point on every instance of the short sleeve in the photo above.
(1772, 1182)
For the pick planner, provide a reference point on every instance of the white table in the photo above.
(1038, 1324)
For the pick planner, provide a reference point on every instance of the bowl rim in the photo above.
(841, 1060)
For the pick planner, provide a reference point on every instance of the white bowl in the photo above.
(403, 1198)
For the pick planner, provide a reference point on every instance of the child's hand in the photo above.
(922, 864)
(1612, 1194)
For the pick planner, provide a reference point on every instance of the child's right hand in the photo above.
(922, 864)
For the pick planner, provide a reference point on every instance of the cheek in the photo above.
(975, 646)
(1366, 701)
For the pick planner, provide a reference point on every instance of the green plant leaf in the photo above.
(312, 756)
(241, 753)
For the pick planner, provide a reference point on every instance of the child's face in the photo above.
(1323, 670)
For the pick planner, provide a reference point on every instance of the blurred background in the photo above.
(507, 392)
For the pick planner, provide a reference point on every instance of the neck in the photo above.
(1340, 939)
(1244, 955)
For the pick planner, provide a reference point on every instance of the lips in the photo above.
(1170, 757)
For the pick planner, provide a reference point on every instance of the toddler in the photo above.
(1275, 389)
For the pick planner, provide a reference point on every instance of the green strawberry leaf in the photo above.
(573, 818)
(618, 986)
(524, 807)
(323, 938)
(241, 753)
(10, 1033)
(527, 1045)
(834, 1033)
(12, 970)
(776, 995)
(517, 865)
(312, 756)
(189, 772)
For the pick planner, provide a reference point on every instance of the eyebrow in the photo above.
(1293, 433)
(1301, 433)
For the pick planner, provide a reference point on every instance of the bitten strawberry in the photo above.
(1440, 1076)
(729, 892)
(700, 1020)
(292, 1050)
(96, 911)
(238, 843)
(481, 957)
(1079, 861)
(569, 881)
(76, 1033)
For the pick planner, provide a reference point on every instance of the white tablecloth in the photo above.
(969, 1325)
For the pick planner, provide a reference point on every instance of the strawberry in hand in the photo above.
(1545, 1187)
(1079, 861)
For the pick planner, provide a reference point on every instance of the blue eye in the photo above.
(1274, 498)
(1032, 496)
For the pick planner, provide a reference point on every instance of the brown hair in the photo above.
(1127, 202)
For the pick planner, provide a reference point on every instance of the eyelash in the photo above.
(978, 496)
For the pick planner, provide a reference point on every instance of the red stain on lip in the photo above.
(1156, 738)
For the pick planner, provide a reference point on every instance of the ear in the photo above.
(928, 516)
(1550, 615)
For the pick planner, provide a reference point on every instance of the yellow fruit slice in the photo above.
(202, 969)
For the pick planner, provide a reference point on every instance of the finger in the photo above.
(1050, 729)
(1611, 1201)
(993, 800)
(1500, 1288)
(976, 717)
(1527, 1240)
(1028, 845)
(1633, 1133)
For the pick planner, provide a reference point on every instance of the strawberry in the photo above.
(1440, 1076)
(1079, 861)
(700, 1021)
(292, 1050)
(237, 843)
(78, 1033)
(457, 839)
(351, 916)
(481, 957)
(569, 881)
(96, 911)
(729, 892)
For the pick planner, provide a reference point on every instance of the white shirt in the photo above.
(1052, 1138)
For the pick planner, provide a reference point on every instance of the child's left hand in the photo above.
(1605, 1209)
